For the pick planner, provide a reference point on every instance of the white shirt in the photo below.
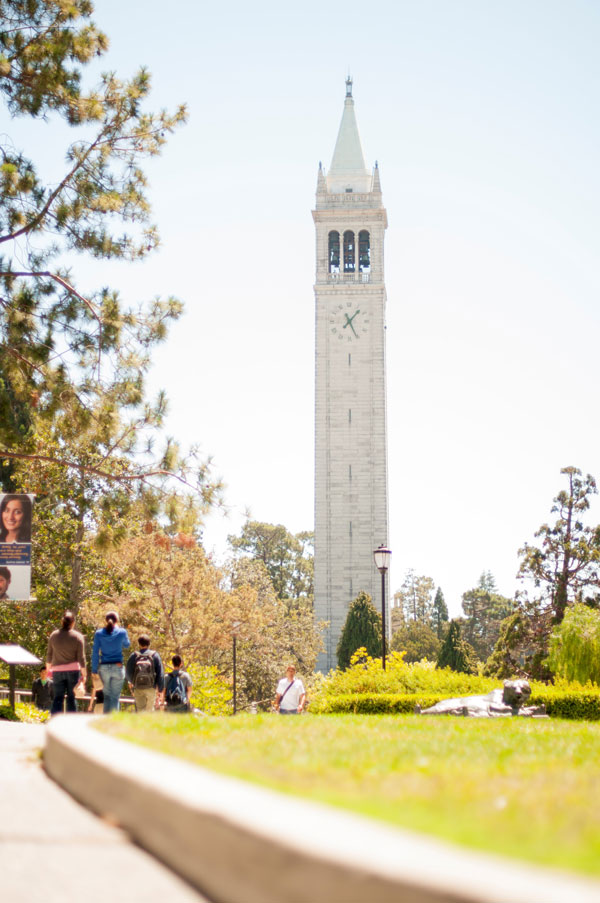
(291, 699)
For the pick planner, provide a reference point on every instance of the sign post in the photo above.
(14, 655)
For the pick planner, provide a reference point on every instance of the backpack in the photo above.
(143, 671)
(175, 694)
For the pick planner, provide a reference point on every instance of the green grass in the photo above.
(526, 789)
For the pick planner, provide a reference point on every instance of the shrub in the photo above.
(364, 688)
(568, 699)
(575, 704)
(7, 714)
(362, 629)
(575, 645)
(373, 703)
(456, 653)
(210, 693)
(365, 676)
(25, 712)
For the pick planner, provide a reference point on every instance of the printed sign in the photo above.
(15, 545)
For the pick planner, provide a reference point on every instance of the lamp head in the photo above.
(382, 558)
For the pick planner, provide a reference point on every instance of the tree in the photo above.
(414, 597)
(575, 645)
(567, 562)
(397, 620)
(456, 653)
(439, 614)
(522, 644)
(287, 557)
(564, 566)
(63, 351)
(487, 582)
(72, 365)
(484, 609)
(166, 586)
(361, 628)
(418, 641)
(289, 636)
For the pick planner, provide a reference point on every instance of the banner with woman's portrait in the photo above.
(15, 545)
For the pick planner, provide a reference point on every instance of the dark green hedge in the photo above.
(375, 703)
(580, 706)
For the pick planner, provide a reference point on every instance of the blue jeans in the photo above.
(112, 677)
(288, 711)
(64, 683)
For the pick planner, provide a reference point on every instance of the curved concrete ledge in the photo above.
(239, 843)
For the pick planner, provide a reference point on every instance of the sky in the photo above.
(484, 120)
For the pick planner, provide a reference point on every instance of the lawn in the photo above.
(525, 788)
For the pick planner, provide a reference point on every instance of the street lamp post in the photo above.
(234, 630)
(382, 562)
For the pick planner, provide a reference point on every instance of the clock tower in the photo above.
(351, 498)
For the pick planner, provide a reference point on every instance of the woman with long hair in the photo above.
(65, 656)
(107, 659)
(15, 518)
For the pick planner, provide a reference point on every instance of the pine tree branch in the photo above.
(47, 275)
(51, 197)
(106, 475)
(24, 360)
(36, 37)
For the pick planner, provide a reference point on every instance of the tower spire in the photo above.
(348, 170)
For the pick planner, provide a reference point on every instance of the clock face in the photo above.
(348, 322)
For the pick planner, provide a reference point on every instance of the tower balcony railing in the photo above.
(362, 276)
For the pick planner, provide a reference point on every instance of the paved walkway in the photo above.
(52, 849)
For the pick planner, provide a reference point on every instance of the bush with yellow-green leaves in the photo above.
(24, 712)
(365, 688)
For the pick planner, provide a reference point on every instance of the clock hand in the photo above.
(350, 323)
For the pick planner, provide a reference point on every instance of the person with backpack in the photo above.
(145, 673)
(178, 688)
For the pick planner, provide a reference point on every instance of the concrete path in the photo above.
(52, 849)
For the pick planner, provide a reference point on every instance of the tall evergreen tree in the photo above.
(64, 352)
(484, 609)
(567, 561)
(414, 596)
(487, 582)
(439, 614)
(362, 628)
(522, 645)
(75, 423)
(456, 653)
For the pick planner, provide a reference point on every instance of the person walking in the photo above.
(145, 673)
(65, 657)
(291, 694)
(178, 688)
(42, 691)
(107, 660)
